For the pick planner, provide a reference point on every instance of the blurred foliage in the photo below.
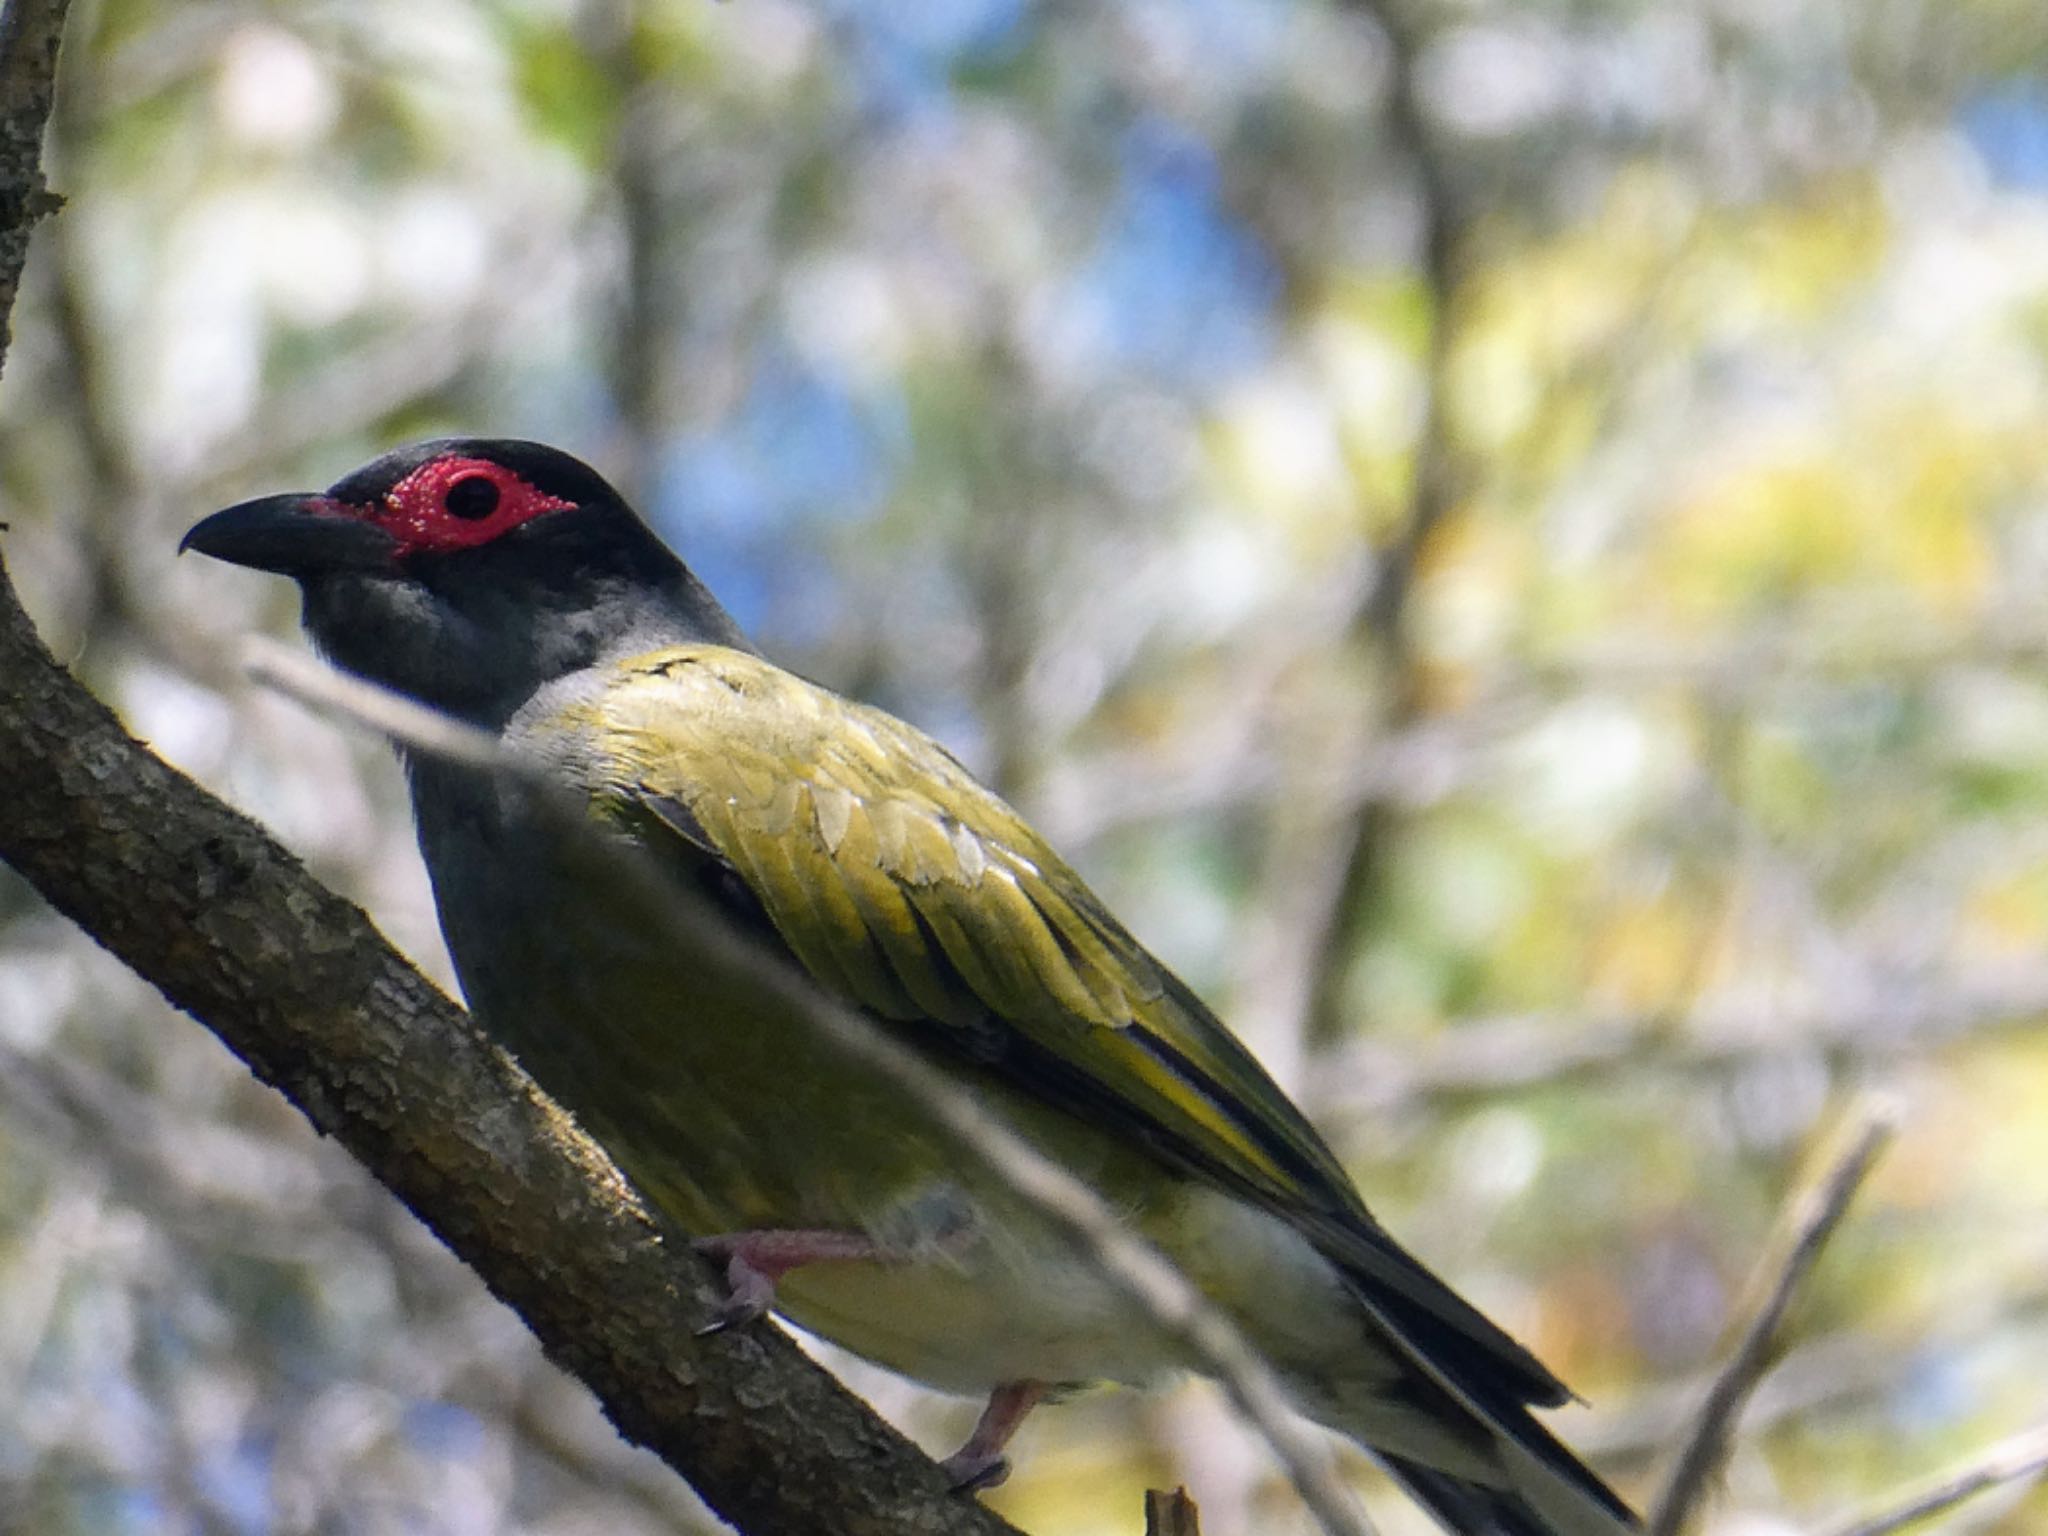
(1069, 378)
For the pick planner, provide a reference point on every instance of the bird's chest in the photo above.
(730, 1114)
(709, 1094)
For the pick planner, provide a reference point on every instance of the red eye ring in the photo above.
(459, 502)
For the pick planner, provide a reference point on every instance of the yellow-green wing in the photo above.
(904, 886)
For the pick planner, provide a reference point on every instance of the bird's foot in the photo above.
(755, 1261)
(980, 1463)
(976, 1474)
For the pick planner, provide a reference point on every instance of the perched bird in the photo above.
(507, 584)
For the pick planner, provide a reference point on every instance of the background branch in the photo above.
(2021, 1459)
(1381, 627)
(1171, 1514)
(1812, 1220)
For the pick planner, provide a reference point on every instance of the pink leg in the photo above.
(980, 1463)
(754, 1261)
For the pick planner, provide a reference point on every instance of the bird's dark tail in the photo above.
(1475, 1509)
(1493, 1469)
(1458, 1431)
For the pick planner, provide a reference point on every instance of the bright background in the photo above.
(1508, 539)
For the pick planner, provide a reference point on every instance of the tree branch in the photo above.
(1812, 1220)
(1381, 624)
(29, 33)
(200, 902)
(1171, 1514)
(203, 904)
(1479, 1058)
(2021, 1459)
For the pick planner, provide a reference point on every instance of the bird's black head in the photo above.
(470, 571)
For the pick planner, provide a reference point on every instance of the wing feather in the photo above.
(924, 899)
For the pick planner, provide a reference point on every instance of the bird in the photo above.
(507, 584)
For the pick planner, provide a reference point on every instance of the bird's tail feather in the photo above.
(1512, 1476)
(1475, 1509)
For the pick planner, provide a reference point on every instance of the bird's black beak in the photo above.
(297, 535)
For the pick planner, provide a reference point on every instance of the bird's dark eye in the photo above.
(471, 497)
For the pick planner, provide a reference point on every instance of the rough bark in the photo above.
(29, 33)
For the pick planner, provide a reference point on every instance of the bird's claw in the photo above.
(974, 1472)
(728, 1317)
(980, 1464)
(750, 1292)
(754, 1261)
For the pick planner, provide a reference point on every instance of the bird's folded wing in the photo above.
(905, 887)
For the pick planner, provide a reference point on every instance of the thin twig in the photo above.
(1166, 1296)
(356, 702)
(2022, 1458)
(1812, 1219)
(1485, 1056)
(1171, 1514)
(1844, 1371)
